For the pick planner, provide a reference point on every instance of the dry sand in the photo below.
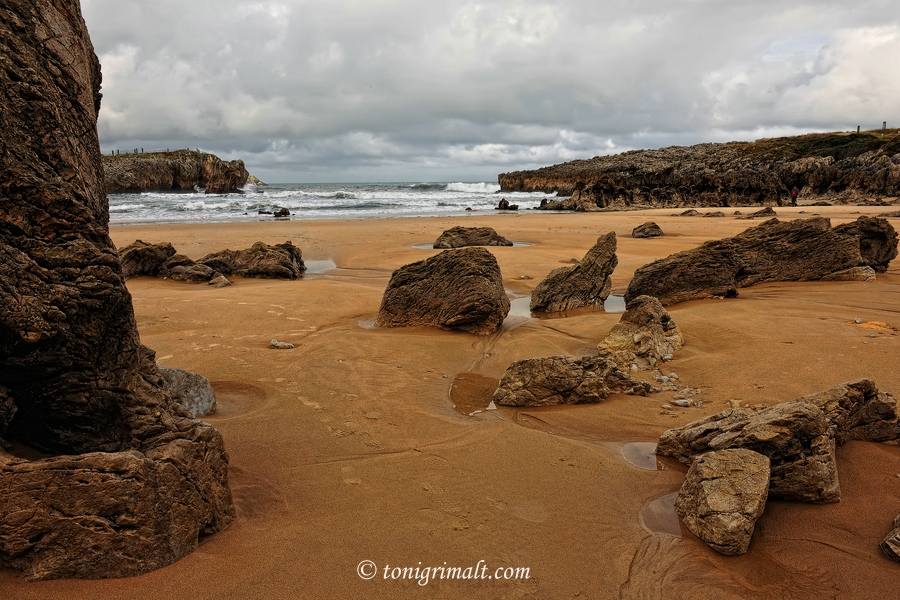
(347, 448)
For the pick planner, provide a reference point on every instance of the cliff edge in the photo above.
(834, 167)
(181, 170)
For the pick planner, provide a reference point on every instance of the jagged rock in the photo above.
(877, 240)
(281, 261)
(723, 495)
(458, 237)
(141, 258)
(182, 268)
(585, 284)
(794, 435)
(220, 281)
(191, 390)
(892, 214)
(645, 335)
(689, 213)
(765, 212)
(505, 205)
(456, 289)
(717, 213)
(276, 345)
(564, 380)
(858, 411)
(799, 250)
(647, 230)
(146, 479)
(891, 544)
(283, 212)
(839, 167)
(182, 170)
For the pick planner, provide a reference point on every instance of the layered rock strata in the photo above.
(278, 261)
(178, 171)
(586, 284)
(647, 230)
(799, 250)
(645, 335)
(456, 289)
(132, 481)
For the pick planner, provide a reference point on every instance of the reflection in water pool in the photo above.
(660, 517)
(314, 267)
(641, 454)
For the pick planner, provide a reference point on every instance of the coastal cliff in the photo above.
(833, 167)
(172, 171)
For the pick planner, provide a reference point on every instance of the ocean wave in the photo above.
(428, 186)
(473, 188)
(125, 207)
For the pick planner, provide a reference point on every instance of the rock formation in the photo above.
(858, 411)
(585, 284)
(133, 480)
(891, 544)
(181, 268)
(281, 261)
(505, 205)
(723, 495)
(840, 167)
(564, 380)
(794, 436)
(647, 230)
(181, 170)
(766, 212)
(644, 336)
(799, 250)
(141, 258)
(456, 289)
(191, 390)
(458, 237)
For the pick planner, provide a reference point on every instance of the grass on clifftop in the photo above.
(183, 153)
(839, 145)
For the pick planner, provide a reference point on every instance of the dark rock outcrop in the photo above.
(564, 380)
(647, 230)
(281, 261)
(282, 213)
(891, 544)
(456, 289)
(723, 495)
(644, 336)
(182, 170)
(840, 167)
(141, 258)
(858, 411)
(585, 284)
(794, 435)
(458, 237)
(182, 268)
(505, 205)
(134, 481)
(191, 390)
(766, 212)
(799, 250)
(877, 240)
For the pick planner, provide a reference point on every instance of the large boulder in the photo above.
(458, 237)
(84, 389)
(647, 230)
(723, 495)
(858, 411)
(181, 268)
(799, 250)
(191, 390)
(644, 336)
(794, 436)
(142, 258)
(456, 289)
(564, 380)
(585, 284)
(281, 261)
(877, 240)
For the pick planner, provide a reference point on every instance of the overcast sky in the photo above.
(450, 90)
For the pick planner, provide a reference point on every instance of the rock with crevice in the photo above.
(723, 495)
(460, 288)
(278, 261)
(143, 258)
(856, 410)
(564, 380)
(794, 436)
(647, 230)
(645, 335)
(181, 268)
(459, 237)
(587, 283)
(877, 240)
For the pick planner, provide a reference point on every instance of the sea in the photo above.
(316, 201)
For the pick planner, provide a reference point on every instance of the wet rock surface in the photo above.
(279, 261)
(139, 480)
(585, 284)
(458, 237)
(644, 336)
(723, 495)
(564, 380)
(456, 289)
(799, 250)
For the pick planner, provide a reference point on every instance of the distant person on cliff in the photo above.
(794, 193)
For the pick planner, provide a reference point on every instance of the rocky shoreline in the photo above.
(180, 170)
(838, 168)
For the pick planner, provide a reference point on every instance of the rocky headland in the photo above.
(181, 170)
(838, 168)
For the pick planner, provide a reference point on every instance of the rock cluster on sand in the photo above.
(132, 481)
(644, 336)
(647, 230)
(799, 250)
(723, 495)
(459, 237)
(585, 284)
(564, 380)
(456, 289)
(280, 261)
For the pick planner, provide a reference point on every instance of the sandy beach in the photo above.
(348, 448)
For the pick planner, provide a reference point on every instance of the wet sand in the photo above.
(348, 447)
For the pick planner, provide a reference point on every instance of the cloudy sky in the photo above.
(455, 90)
